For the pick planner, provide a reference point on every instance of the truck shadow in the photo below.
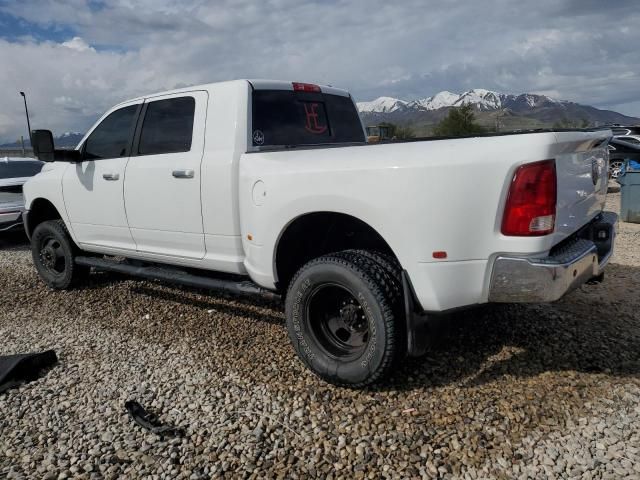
(595, 329)
(219, 303)
(14, 240)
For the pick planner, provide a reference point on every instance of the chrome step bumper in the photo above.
(546, 279)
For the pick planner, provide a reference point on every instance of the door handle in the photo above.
(187, 173)
(110, 176)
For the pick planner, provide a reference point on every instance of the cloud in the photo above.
(574, 50)
(77, 43)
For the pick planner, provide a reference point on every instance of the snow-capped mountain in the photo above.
(439, 100)
(525, 110)
(479, 97)
(382, 105)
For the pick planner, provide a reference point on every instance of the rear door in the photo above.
(162, 187)
(93, 188)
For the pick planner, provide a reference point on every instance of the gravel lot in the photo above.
(539, 391)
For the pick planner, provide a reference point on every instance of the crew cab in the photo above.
(269, 188)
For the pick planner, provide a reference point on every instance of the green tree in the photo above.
(403, 133)
(459, 122)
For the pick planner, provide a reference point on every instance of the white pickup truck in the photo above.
(269, 188)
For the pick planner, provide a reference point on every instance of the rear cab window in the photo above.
(286, 118)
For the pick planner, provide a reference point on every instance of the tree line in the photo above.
(461, 122)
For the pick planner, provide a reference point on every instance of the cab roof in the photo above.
(257, 84)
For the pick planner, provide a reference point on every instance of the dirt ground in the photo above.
(530, 391)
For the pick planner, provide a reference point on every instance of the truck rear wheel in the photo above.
(343, 320)
(53, 252)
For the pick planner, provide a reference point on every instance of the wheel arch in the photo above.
(41, 210)
(317, 233)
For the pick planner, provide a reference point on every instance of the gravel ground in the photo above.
(538, 391)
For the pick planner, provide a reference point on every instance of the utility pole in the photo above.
(22, 143)
(26, 110)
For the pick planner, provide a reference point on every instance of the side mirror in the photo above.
(42, 143)
(44, 150)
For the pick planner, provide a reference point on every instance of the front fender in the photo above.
(46, 187)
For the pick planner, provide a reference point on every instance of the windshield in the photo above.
(283, 117)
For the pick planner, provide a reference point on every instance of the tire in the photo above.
(53, 254)
(343, 320)
(393, 280)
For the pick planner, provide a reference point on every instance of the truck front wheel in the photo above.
(52, 251)
(342, 318)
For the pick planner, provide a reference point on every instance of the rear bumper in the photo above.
(546, 279)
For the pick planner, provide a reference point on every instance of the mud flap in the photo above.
(417, 322)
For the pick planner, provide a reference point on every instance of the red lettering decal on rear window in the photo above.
(312, 122)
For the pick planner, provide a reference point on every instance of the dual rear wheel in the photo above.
(345, 317)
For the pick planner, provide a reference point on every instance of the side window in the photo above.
(110, 138)
(167, 126)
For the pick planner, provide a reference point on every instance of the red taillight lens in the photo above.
(531, 203)
(306, 87)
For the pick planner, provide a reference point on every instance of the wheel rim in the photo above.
(52, 257)
(338, 321)
(616, 167)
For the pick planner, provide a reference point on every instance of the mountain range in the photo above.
(66, 140)
(526, 110)
(492, 109)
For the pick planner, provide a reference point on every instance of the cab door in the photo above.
(162, 187)
(93, 188)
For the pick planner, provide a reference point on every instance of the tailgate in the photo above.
(582, 170)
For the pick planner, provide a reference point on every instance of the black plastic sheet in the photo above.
(18, 369)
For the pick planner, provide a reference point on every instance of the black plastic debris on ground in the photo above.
(150, 421)
(18, 369)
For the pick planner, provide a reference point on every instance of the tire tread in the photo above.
(380, 277)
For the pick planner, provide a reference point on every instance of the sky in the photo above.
(76, 58)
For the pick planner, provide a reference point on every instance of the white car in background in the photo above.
(621, 148)
(14, 172)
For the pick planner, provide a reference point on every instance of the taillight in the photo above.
(305, 87)
(531, 202)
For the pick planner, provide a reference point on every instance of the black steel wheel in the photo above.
(342, 318)
(337, 320)
(53, 251)
(52, 255)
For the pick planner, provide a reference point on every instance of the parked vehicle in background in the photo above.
(378, 133)
(270, 188)
(621, 148)
(14, 172)
(621, 130)
(632, 139)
